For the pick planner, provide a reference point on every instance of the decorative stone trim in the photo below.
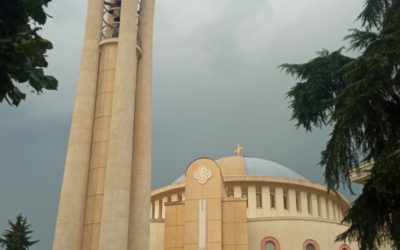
(202, 174)
(202, 224)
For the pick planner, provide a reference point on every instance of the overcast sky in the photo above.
(216, 84)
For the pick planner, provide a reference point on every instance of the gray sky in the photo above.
(216, 84)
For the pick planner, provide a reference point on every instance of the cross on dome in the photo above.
(239, 150)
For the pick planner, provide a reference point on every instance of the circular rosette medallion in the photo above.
(202, 174)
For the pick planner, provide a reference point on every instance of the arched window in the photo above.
(310, 245)
(270, 243)
(344, 247)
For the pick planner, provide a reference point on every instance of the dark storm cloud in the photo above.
(216, 84)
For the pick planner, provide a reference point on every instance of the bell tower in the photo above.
(105, 195)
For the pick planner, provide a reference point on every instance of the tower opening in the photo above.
(111, 19)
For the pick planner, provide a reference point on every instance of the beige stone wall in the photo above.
(231, 166)
(291, 233)
(211, 192)
(157, 235)
(234, 226)
(174, 229)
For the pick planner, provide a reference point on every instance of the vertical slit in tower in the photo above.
(138, 41)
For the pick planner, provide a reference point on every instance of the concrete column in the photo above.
(237, 192)
(117, 191)
(285, 202)
(183, 196)
(304, 203)
(279, 200)
(292, 202)
(329, 209)
(98, 159)
(266, 200)
(340, 214)
(335, 212)
(314, 205)
(322, 204)
(139, 229)
(157, 209)
(151, 210)
(163, 201)
(71, 212)
(251, 197)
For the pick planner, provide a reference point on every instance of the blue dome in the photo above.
(261, 167)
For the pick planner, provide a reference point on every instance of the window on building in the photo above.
(259, 200)
(310, 245)
(244, 195)
(270, 243)
(272, 200)
(285, 201)
(298, 206)
(230, 191)
(152, 210)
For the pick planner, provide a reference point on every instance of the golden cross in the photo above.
(239, 150)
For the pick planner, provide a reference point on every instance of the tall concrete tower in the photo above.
(105, 195)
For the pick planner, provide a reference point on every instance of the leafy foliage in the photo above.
(360, 99)
(17, 237)
(22, 49)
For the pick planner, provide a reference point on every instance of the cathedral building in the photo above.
(244, 203)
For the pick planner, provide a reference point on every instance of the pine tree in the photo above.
(17, 237)
(359, 98)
